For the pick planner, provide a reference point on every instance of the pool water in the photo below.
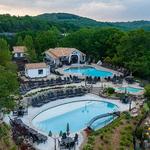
(130, 89)
(78, 115)
(89, 71)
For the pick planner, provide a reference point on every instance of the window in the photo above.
(18, 55)
(83, 58)
(40, 71)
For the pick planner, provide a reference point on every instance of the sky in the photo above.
(101, 10)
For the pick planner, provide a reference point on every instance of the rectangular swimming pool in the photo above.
(89, 71)
(129, 89)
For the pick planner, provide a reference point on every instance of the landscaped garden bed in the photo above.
(6, 142)
(116, 136)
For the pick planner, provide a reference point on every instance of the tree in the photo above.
(134, 52)
(8, 87)
(108, 60)
(147, 91)
(116, 60)
(5, 55)
(8, 77)
(31, 54)
(45, 40)
(19, 41)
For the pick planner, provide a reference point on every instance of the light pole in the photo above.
(54, 138)
(85, 81)
(130, 104)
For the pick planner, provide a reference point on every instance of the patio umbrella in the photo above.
(50, 133)
(68, 129)
(60, 133)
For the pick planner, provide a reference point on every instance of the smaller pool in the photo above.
(129, 89)
(89, 71)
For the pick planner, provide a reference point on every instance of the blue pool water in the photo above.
(130, 89)
(89, 71)
(77, 118)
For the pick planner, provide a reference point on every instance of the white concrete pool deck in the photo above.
(32, 112)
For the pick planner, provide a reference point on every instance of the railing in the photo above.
(117, 113)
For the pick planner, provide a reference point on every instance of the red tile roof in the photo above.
(60, 52)
(35, 65)
(19, 49)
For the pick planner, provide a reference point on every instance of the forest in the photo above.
(63, 21)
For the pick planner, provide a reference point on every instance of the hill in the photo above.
(71, 19)
(63, 21)
(86, 22)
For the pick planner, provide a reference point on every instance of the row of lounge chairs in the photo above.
(19, 129)
(117, 68)
(30, 85)
(115, 79)
(92, 80)
(20, 112)
(40, 100)
(57, 73)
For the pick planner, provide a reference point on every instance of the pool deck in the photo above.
(33, 112)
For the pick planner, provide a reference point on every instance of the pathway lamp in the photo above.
(54, 138)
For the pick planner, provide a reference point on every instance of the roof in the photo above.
(19, 49)
(35, 65)
(60, 52)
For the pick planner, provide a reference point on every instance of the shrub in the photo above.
(6, 141)
(122, 148)
(100, 148)
(147, 91)
(101, 137)
(127, 115)
(110, 90)
(88, 147)
(91, 139)
(14, 148)
(139, 132)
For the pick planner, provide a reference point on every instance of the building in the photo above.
(19, 56)
(19, 52)
(37, 70)
(61, 55)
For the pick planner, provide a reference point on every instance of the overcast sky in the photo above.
(102, 10)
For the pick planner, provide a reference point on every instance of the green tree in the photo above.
(31, 54)
(19, 41)
(108, 60)
(45, 40)
(134, 52)
(8, 87)
(147, 91)
(8, 77)
(5, 55)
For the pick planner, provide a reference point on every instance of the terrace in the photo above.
(63, 91)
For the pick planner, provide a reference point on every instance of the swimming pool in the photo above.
(129, 89)
(89, 71)
(77, 114)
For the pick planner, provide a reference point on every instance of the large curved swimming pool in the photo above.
(89, 71)
(76, 114)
